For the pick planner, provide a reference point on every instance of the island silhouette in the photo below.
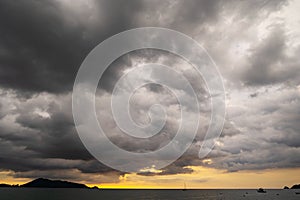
(296, 186)
(47, 183)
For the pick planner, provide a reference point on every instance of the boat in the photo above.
(184, 188)
(261, 190)
(297, 192)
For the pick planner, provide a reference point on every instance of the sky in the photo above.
(255, 45)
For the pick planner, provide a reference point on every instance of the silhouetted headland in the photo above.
(46, 183)
(296, 186)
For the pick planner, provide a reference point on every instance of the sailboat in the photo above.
(184, 188)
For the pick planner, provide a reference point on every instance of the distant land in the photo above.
(296, 186)
(47, 183)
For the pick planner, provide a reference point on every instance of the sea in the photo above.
(93, 194)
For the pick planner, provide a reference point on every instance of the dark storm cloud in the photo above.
(42, 44)
(54, 133)
(43, 51)
(44, 143)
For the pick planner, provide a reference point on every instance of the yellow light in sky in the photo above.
(213, 178)
(202, 178)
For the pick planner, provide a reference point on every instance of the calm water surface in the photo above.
(83, 194)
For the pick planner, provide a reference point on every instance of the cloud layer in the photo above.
(42, 45)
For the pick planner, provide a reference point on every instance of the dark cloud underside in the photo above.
(43, 43)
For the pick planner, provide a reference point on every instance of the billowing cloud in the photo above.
(42, 45)
(269, 62)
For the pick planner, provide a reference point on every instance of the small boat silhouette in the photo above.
(184, 188)
(261, 190)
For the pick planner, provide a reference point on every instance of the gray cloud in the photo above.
(268, 138)
(42, 45)
(269, 62)
(39, 134)
(43, 50)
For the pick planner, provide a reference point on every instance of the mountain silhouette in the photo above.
(46, 183)
(296, 186)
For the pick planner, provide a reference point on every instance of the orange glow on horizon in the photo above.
(208, 178)
(201, 178)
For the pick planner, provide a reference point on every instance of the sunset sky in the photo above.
(255, 45)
